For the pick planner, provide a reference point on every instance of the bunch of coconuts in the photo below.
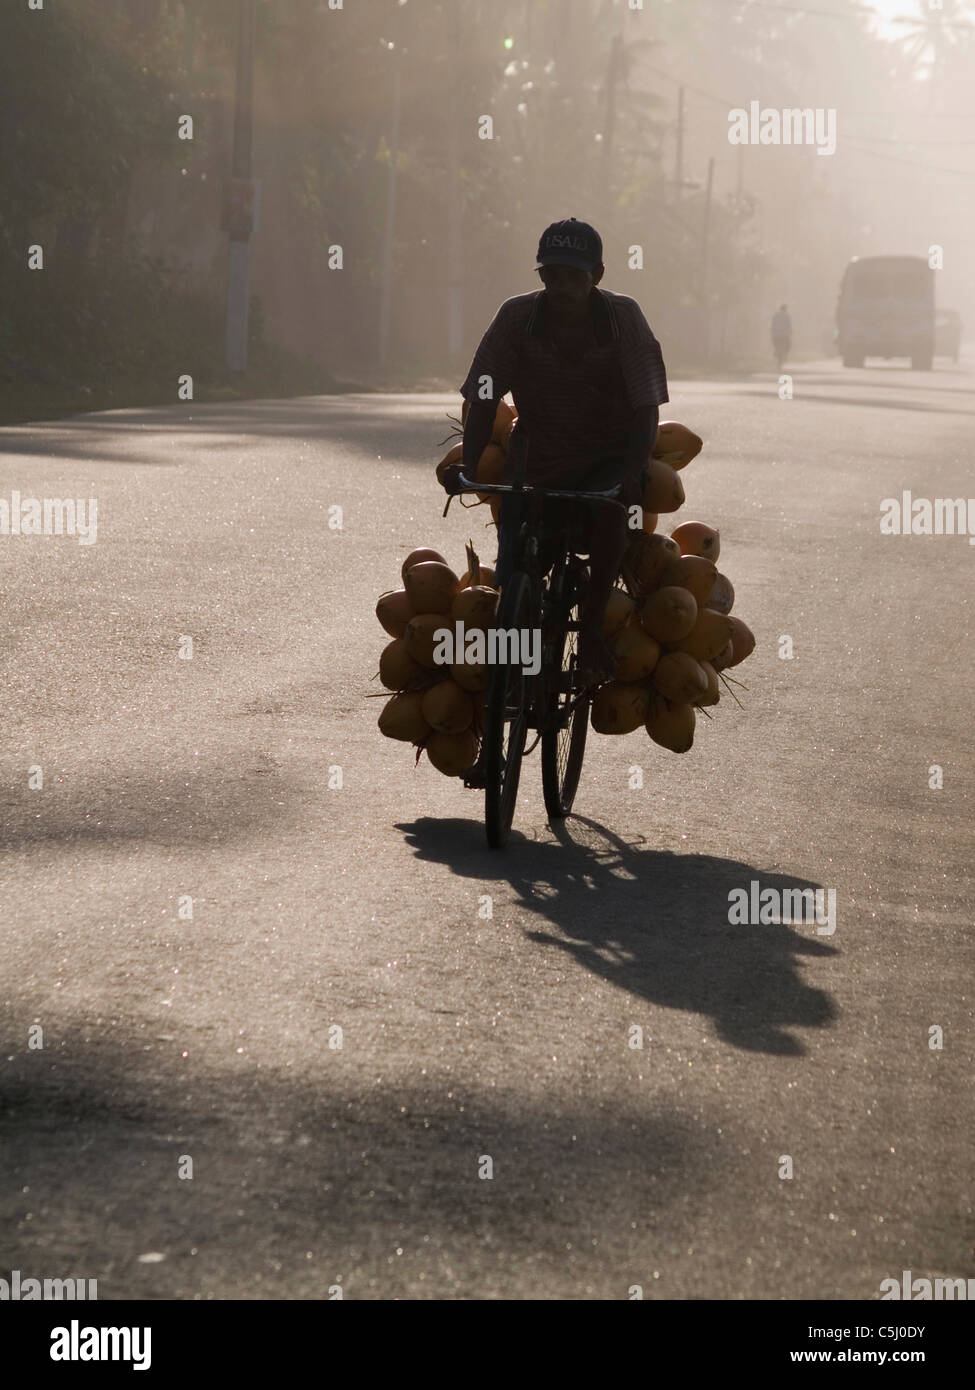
(673, 449)
(436, 707)
(670, 628)
(490, 466)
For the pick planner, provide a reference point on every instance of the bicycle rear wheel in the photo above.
(506, 719)
(566, 709)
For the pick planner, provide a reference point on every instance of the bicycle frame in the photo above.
(548, 702)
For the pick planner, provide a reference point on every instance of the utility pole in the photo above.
(241, 193)
(455, 248)
(679, 162)
(386, 288)
(614, 71)
(705, 237)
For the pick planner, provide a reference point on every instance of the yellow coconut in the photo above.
(646, 558)
(722, 595)
(714, 686)
(679, 678)
(421, 639)
(664, 491)
(695, 538)
(447, 708)
(431, 586)
(692, 572)
(485, 577)
(636, 652)
(724, 657)
(490, 468)
(471, 677)
(709, 635)
(619, 610)
(475, 606)
(671, 725)
(394, 611)
(402, 718)
(417, 557)
(619, 707)
(669, 613)
(452, 754)
(397, 668)
(742, 640)
(504, 418)
(676, 444)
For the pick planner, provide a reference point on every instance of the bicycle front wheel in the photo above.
(506, 719)
(567, 709)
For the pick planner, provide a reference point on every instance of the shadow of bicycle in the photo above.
(652, 922)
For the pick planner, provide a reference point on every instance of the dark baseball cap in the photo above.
(570, 242)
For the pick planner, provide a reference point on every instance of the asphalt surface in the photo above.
(467, 1037)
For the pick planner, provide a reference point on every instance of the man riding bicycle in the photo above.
(587, 378)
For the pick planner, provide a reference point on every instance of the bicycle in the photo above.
(543, 581)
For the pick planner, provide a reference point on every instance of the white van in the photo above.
(886, 309)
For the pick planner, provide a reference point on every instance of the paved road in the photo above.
(463, 1036)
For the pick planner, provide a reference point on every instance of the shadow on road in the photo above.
(652, 922)
(403, 430)
(303, 1183)
(811, 396)
(206, 802)
(406, 429)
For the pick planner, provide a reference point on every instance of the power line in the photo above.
(850, 140)
(851, 12)
(903, 140)
(698, 91)
(864, 10)
(855, 115)
(914, 163)
(933, 23)
(917, 115)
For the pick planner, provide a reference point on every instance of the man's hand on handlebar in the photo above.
(450, 479)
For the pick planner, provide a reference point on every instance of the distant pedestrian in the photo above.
(781, 335)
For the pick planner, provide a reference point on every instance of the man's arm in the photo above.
(646, 385)
(493, 368)
(643, 436)
(477, 432)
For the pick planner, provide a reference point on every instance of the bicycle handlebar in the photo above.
(609, 495)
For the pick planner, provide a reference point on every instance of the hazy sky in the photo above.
(888, 10)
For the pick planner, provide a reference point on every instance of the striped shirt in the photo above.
(571, 413)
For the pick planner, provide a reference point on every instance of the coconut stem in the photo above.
(473, 563)
(458, 429)
(730, 691)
